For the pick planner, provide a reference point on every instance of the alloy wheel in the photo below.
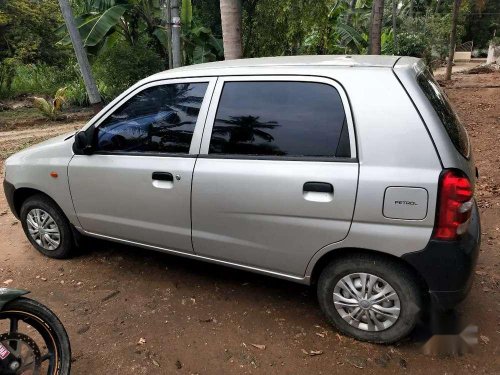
(43, 229)
(366, 302)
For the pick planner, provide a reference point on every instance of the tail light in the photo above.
(454, 208)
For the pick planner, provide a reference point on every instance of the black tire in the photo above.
(393, 273)
(66, 245)
(43, 319)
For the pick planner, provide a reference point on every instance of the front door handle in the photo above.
(163, 176)
(318, 187)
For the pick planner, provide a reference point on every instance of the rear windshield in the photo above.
(449, 119)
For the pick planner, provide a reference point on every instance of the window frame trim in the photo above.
(214, 105)
(134, 90)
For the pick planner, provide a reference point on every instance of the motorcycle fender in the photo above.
(7, 295)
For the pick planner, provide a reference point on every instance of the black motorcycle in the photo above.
(33, 340)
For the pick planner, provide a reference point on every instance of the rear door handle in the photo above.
(318, 187)
(163, 176)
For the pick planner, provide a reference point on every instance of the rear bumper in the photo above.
(448, 266)
(9, 190)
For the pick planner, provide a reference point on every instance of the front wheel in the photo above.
(36, 337)
(46, 227)
(369, 298)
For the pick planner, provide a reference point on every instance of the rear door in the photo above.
(277, 173)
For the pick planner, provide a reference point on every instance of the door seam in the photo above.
(196, 161)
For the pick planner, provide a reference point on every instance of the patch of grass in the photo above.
(28, 118)
(40, 79)
(12, 119)
(20, 114)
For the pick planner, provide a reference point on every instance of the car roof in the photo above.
(325, 60)
(379, 61)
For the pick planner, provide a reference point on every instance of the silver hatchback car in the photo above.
(349, 173)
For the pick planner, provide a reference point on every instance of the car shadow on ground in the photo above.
(183, 267)
(248, 287)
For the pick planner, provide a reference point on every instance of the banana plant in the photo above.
(102, 21)
(199, 44)
(346, 35)
(96, 28)
(336, 35)
(51, 109)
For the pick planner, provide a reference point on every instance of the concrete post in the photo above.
(176, 34)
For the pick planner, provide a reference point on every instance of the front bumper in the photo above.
(9, 190)
(448, 266)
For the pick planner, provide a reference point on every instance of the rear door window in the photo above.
(280, 118)
(445, 112)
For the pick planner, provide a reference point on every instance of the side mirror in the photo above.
(83, 142)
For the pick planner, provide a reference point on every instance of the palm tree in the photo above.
(453, 38)
(81, 55)
(245, 133)
(395, 24)
(230, 11)
(244, 128)
(374, 47)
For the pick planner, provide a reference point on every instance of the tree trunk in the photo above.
(176, 33)
(352, 7)
(453, 37)
(230, 12)
(394, 24)
(81, 55)
(374, 47)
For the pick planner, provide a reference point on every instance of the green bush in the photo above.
(76, 93)
(428, 36)
(7, 71)
(495, 41)
(115, 70)
(120, 66)
(41, 79)
(27, 32)
(411, 45)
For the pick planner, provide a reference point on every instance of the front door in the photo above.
(136, 185)
(277, 173)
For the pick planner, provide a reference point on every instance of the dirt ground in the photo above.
(459, 66)
(197, 318)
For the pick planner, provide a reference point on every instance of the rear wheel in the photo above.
(46, 227)
(370, 298)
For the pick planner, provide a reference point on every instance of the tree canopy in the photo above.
(34, 37)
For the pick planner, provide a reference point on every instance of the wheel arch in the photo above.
(23, 193)
(338, 254)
